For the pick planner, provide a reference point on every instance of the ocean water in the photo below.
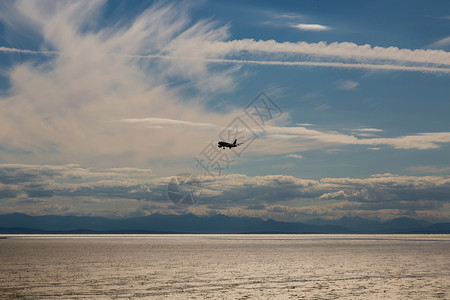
(225, 266)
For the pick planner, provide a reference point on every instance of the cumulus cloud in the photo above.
(127, 191)
(25, 188)
(370, 189)
(381, 196)
(73, 180)
(334, 195)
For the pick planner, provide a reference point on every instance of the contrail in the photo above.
(23, 51)
(264, 62)
(308, 63)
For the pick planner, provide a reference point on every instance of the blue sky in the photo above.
(102, 102)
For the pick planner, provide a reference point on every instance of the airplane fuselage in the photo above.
(224, 145)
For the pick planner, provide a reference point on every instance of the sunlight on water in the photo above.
(225, 266)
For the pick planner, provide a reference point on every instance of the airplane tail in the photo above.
(234, 143)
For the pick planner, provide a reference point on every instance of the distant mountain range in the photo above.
(20, 224)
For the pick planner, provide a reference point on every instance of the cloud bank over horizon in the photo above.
(124, 192)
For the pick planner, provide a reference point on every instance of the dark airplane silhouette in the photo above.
(225, 144)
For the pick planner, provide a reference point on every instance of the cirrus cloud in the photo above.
(64, 106)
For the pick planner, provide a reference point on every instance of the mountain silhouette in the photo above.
(189, 223)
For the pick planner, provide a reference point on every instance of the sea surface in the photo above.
(225, 266)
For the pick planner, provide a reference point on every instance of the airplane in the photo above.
(222, 144)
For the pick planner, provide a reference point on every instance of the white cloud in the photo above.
(211, 48)
(163, 121)
(429, 169)
(443, 43)
(285, 140)
(306, 63)
(15, 50)
(71, 189)
(344, 50)
(311, 27)
(367, 129)
(298, 156)
(420, 141)
(347, 85)
(366, 132)
(334, 195)
(63, 108)
(342, 55)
